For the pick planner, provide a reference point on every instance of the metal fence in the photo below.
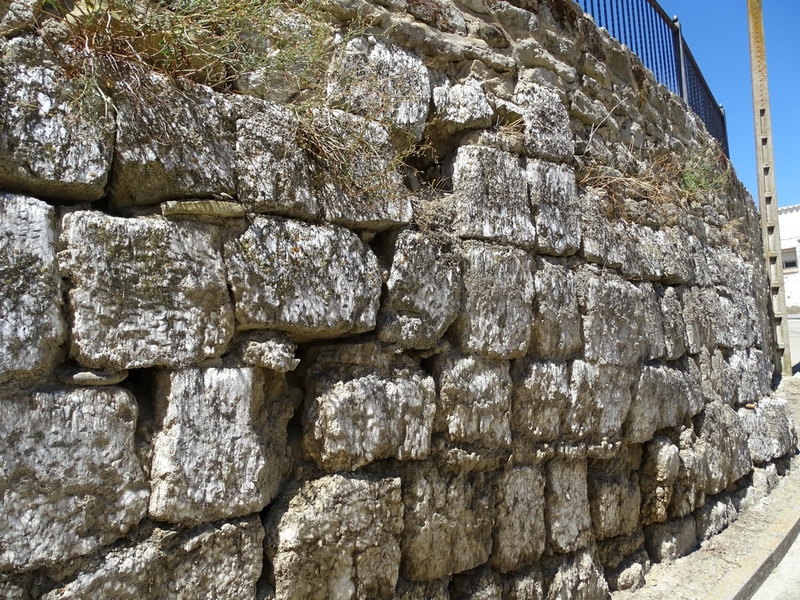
(646, 29)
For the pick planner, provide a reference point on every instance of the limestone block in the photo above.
(770, 433)
(519, 527)
(58, 135)
(614, 503)
(576, 576)
(220, 450)
(18, 15)
(558, 222)
(600, 397)
(653, 338)
(221, 560)
(272, 171)
(402, 98)
(270, 350)
(474, 400)
(70, 476)
(480, 585)
(336, 537)
(547, 130)
(541, 395)
(495, 319)
(363, 404)
(672, 322)
(311, 281)
(461, 106)
(678, 261)
(700, 310)
(751, 374)
(448, 522)
(423, 292)
(688, 491)
(430, 590)
(671, 540)
(439, 14)
(630, 573)
(491, 197)
(32, 328)
(529, 584)
(556, 327)
(726, 445)
(715, 516)
(144, 291)
(173, 141)
(566, 510)
(613, 318)
(661, 462)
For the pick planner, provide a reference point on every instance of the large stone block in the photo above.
(495, 320)
(653, 332)
(567, 512)
(554, 198)
(365, 404)
(460, 106)
(309, 280)
(600, 398)
(32, 328)
(726, 445)
(660, 466)
(336, 537)
(770, 432)
(220, 450)
(57, 136)
(540, 400)
(221, 560)
(519, 530)
(474, 400)
(70, 476)
(671, 540)
(556, 327)
(491, 197)
(614, 503)
(144, 291)
(672, 322)
(688, 491)
(482, 584)
(448, 522)
(174, 141)
(547, 127)
(423, 292)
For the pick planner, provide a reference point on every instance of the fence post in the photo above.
(680, 60)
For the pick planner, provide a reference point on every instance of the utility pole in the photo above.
(767, 196)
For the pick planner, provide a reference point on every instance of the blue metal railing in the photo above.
(657, 40)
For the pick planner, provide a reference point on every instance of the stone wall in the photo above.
(500, 376)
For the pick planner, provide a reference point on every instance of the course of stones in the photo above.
(223, 375)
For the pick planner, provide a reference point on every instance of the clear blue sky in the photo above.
(716, 31)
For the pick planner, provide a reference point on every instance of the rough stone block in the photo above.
(70, 476)
(423, 292)
(270, 350)
(715, 516)
(660, 466)
(495, 319)
(460, 106)
(18, 15)
(630, 573)
(556, 327)
(555, 199)
(600, 397)
(770, 433)
(672, 322)
(32, 328)
(430, 590)
(653, 333)
(541, 396)
(144, 291)
(688, 491)
(448, 522)
(566, 510)
(547, 129)
(614, 503)
(220, 451)
(474, 400)
(519, 530)
(309, 280)
(481, 585)
(336, 537)
(726, 445)
(173, 141)
(491, 196)
(671, 540)
(57, 137)
(364, 404)
(751, 376)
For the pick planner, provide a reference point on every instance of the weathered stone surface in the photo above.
(423, 292)
(270, 350)
(448, 522)
(220, 560)
(495, 319)
(173, 141)
(672, 322)
(770, 433)
(336, 537)
(481, 585)
(32, 328)
(404, 94)
(474, 400)
(208, 211)
(70, 475)
(460, 106)
(430, 590)
(194, 476)
(519, 527)
(600, 397)
(529, 584)
(541, 396)
(715, 516)
(630, 573)
(144, 291)
(653, 332)
(726, 445)
(566, 512)
(688, 491)
(57, 136)
(556, 327)
(554, 197)
(18, 15)
(272, 171)
(751, 377)
(671, 540)
(700, 309)
(614, 502)
(309, 280)
(92, 377)
(547, 130)
(613, 318)
(660, 466)
(491, 195)
(364, 404)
